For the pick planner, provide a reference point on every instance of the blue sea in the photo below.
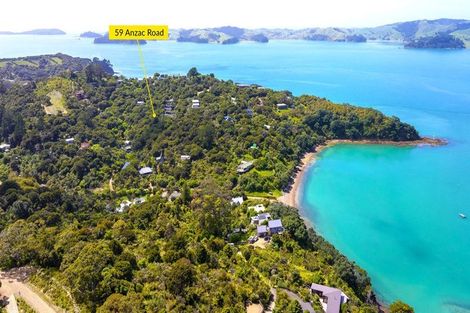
(393, 210)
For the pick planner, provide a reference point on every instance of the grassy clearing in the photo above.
(265, 173)
(56, 60)
(24, 307)
(26, 63)
(268, 195)
(2, 64)
(57, 103)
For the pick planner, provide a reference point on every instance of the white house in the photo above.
(145, 170)
(195, 104)
(282, 106)
(244, 167)
(140, 102)
(5, 147)
(258, 208)
(330, 298)
(69, 140)
(185, 157)
(124, 205)
(237, 201)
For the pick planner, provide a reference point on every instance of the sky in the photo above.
(97, 15)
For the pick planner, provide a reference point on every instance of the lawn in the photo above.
(57, 103)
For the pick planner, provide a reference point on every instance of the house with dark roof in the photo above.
(262, 231)
(330, 298)
(260, 218)
(275, 227)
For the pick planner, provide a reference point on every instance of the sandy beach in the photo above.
(291, 198)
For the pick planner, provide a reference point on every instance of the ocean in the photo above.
(393, 210)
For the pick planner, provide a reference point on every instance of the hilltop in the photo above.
(90, 35)
(123, 212)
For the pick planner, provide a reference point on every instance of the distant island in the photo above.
(405, 32)
(90, 35)
(40, 31)
(105, 40)
(440, 41)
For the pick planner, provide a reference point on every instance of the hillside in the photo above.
(131, 213)
(104, 39)
(39, 31)
(37, 67)
(401, 32)
(90, 35)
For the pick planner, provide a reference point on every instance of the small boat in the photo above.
(462, 215)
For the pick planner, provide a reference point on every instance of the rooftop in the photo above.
(275, 223)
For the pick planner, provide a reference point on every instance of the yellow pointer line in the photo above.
(142, 63)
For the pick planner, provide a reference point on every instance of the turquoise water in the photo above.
(392, 210)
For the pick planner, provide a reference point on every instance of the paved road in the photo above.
(306, 306)
(12, 286)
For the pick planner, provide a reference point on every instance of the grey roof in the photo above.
(263, 216)
(262, 229)
(275, 224)
(333, 295)
(125, 165)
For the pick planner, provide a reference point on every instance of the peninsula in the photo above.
(115, 210)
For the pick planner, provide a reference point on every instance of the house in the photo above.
(237, 201)
(249, 112)
(275, 227)
(69, 140)
(243, 85)
(139, 200)
(80, 95)
(140, 102)
(254, 146)
(125, 165)
(160, 158)
(268, 127)
(174, 195)
(127, 146)
(195, 104)
(233, 100)
(330, 298)
(168, 107)
(84, 145)
(260, 218)
(185, 157)
(124, 205)
(244, 167)
(262, 231)
(257, 208)
(4, 147)
(282, 106)
(145, 170)
(227, 118)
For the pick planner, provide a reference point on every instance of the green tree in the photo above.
(400, 307)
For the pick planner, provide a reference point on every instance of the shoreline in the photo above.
(291, 198)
